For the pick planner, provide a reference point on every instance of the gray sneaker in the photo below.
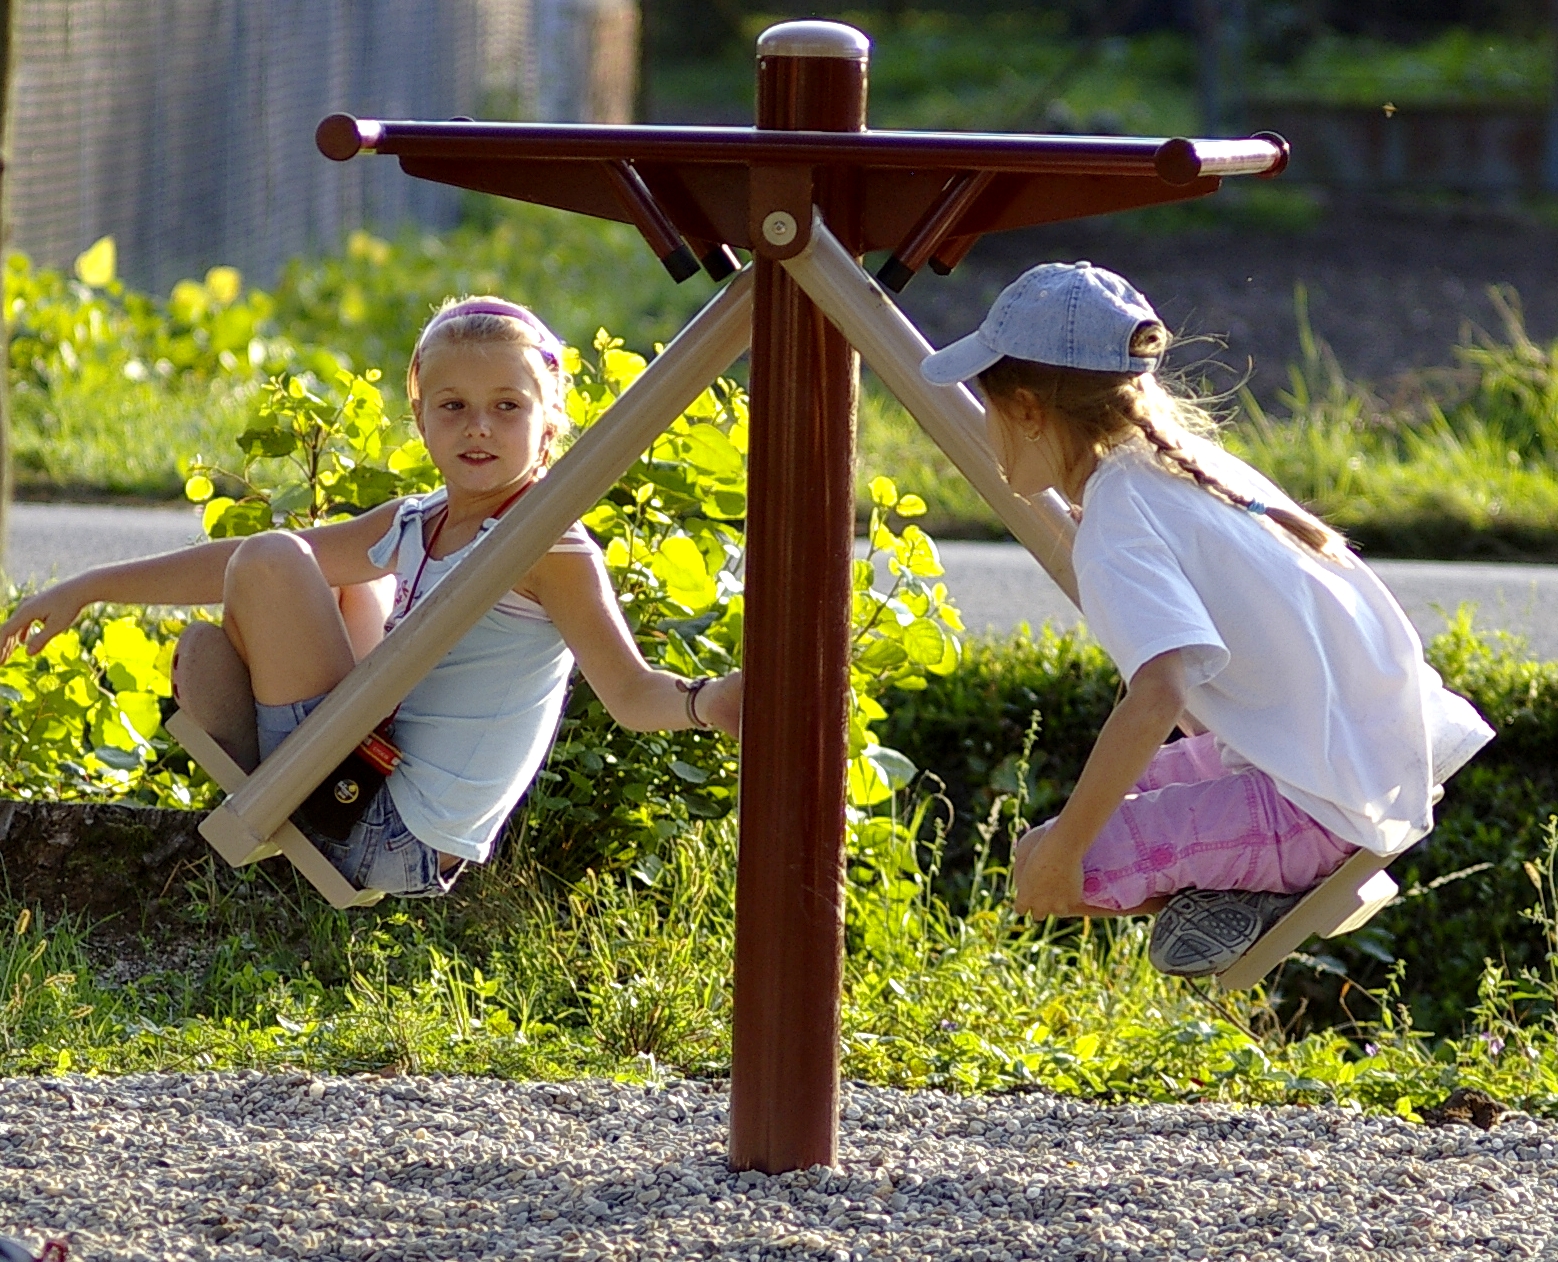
(1205, 931)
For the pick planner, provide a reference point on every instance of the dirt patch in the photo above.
(97, 859)
(1390, 288)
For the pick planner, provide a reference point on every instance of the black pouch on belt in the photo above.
(341, 798)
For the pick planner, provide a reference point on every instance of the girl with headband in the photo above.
(486, 385)
(1313, 725)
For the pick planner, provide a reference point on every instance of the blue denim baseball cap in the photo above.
(1071, 315)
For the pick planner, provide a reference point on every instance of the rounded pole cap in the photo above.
(814, 39)
(338, 138)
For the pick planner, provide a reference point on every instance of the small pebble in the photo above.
(366, 1169)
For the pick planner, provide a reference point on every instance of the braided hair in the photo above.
(1104, 409)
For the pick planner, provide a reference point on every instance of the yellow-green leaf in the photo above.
(949, 657)
(617, 555)
(916, 552)
(711, 452)
(199, 488)
(188, 301)
(142, 711)
(868, 784)
(924, 642)
(96, 264)
(910, 506)
(213, 512)
(884, 494)
(131, 657)
(224, 284)
(621, 368)
(680, 565)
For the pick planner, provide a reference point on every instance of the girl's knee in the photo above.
(272, 555)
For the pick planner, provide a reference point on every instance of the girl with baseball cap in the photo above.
(1313, 724)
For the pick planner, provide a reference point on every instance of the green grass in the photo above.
(1457, 67)
(128, 441)
(517, 977)
(1464, 465)
(1469, 895)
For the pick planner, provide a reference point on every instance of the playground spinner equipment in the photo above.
(807, 191)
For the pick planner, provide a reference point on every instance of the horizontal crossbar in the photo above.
(1175, 161)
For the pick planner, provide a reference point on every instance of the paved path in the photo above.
(997, 585)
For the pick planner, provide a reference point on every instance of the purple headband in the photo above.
(550, 348)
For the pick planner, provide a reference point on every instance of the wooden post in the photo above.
(800, 534)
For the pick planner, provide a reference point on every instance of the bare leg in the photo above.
(284, 620)
(364, 607)
(211, 683)
(1150, 908)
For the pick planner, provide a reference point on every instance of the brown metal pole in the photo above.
(800, 535)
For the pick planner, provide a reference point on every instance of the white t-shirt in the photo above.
(1302, 667)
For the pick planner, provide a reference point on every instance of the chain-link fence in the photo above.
(186, 127)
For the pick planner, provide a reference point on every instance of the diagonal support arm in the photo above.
(862, 310)
(703, 350)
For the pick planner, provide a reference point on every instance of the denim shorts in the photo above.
(380, 853)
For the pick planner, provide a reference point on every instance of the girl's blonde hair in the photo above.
(1101, 410)
(487, 320)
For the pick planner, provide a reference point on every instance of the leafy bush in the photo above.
(83, 719)
(580, 274)
(112, 387)
(672, 532)
(315, 454)
(107, 384)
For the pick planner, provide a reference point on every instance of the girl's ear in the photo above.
(416, 415)
(1026, 411)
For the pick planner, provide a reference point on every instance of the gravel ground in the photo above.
(249, 1165)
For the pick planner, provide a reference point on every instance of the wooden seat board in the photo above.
(287, 840)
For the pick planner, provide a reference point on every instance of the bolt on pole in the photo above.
(800, 534)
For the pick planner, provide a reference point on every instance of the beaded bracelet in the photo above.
(692, 688)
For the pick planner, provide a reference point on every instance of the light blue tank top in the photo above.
(477, 728)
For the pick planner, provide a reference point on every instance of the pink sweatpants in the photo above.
(1192, 823)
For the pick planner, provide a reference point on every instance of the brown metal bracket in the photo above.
(779, 210)
(652, 222)
(951, 252)
(718, 259)
(922, 242)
